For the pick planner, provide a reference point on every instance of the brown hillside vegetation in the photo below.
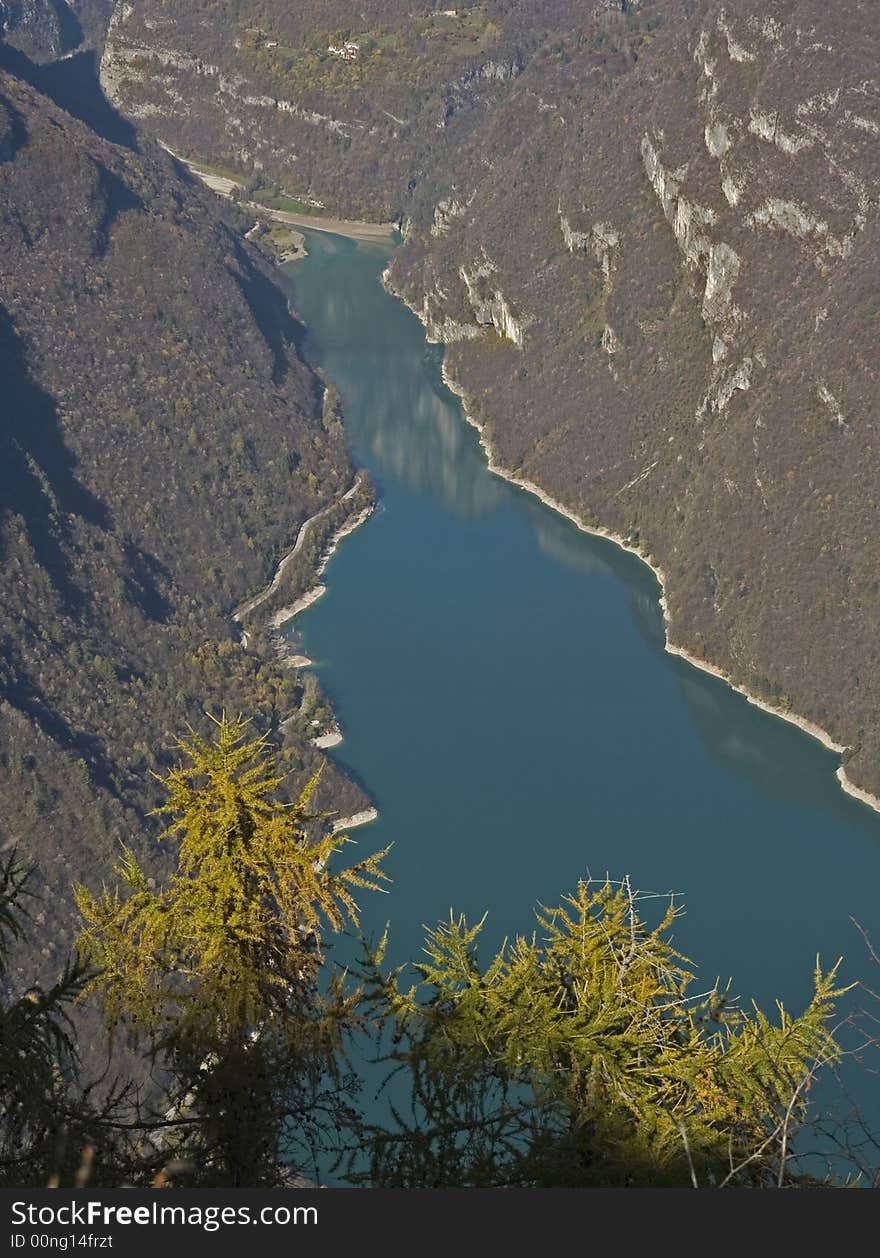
(649, 234)
(160, 446)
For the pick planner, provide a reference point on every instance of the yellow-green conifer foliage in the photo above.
(219, 968)
(578, 1057)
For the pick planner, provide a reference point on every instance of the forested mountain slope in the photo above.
(160, 445)
(46, 29)
(255, 85)
(676, 282)
(649, 234)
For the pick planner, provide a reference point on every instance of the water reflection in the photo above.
(755, 744)
(406, 425)
(404, 431)
(418, 438)
(562, 543)
(504, 692)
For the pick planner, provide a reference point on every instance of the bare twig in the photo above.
(687, 1150)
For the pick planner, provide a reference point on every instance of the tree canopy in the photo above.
(575, 1056)
(219, 972)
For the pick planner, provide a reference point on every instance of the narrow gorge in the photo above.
(647, 235)
(489, 518)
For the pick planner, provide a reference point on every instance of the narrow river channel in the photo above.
(501, 683)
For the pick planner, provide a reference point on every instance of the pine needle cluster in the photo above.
(220, 971)
(577, 1057)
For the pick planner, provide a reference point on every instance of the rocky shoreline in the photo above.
(225, 187)
(803, 723)
(245, 609)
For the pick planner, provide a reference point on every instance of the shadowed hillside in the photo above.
(161, 444)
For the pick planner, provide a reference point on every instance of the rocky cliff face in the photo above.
(48, 29)
(691, 254)
(160, 444)
(650, 239)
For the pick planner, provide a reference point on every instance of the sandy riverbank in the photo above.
(245, 609)
(225, 187)
(334, 736)
(358, 819)
(217, 183)
(338, 226)
(284, 614)
(808, 727)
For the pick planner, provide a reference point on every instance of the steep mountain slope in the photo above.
(679, 343)
(652, 248)
(160, 445)
(46, 29)
(256, 86)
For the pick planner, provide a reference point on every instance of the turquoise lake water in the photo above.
(501, 683)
